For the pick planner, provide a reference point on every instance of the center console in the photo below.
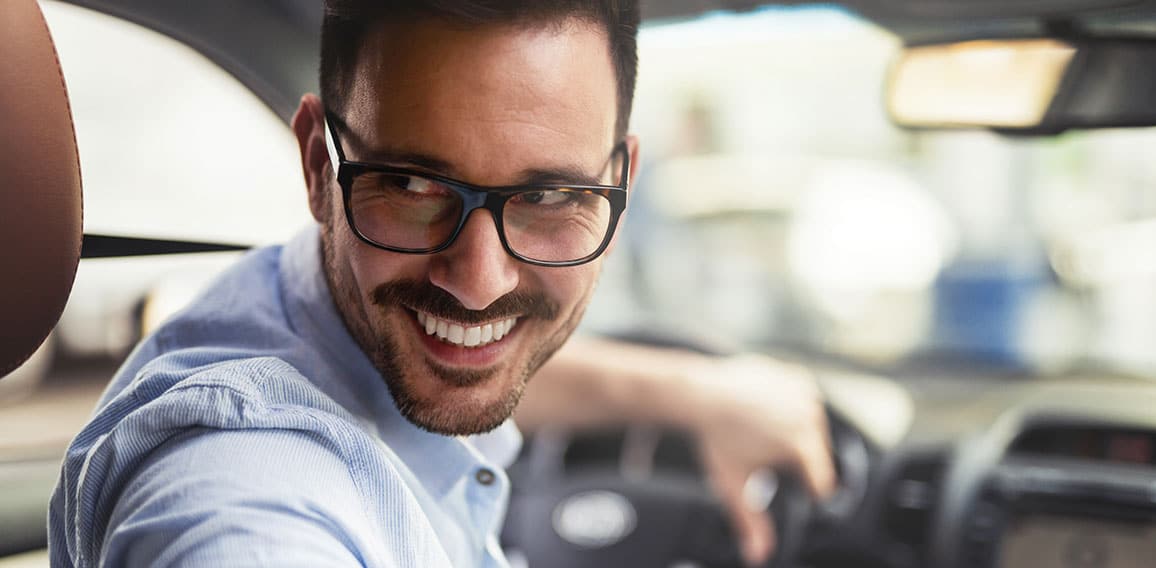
(1052, 490)
(1062, 513)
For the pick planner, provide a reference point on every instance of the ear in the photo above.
(635, 158)
(635, 163)
(309, 128)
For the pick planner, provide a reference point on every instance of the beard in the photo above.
(450, 415)
(399, 374)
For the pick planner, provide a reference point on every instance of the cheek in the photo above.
(570, 287)
(372, 267)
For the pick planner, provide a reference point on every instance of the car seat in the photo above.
(40, 188)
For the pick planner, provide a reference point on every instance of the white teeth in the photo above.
(458, 334)
(473, 337)
(502, 328)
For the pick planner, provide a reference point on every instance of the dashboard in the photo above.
(1033, 474)
(936, 473)
(1065, 476)
(1090, 443)
(1057, 540)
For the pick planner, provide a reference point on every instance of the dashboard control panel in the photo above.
(1067, 496)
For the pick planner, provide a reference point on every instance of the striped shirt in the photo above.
(250, 430)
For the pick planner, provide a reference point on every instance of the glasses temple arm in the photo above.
(336, 156)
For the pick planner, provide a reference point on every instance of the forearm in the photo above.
(747, 413)
(592, 382)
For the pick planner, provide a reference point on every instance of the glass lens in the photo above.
(403, 211)
(556, 225)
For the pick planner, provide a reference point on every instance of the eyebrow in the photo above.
(434, 165)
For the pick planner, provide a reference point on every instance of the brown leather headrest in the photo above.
(40, 201)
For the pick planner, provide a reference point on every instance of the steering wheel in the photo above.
(573, 508)
(636, 498)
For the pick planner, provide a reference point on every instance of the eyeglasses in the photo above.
(414, 212)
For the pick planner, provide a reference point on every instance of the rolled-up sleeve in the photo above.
(238, 498)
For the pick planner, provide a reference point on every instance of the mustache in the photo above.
(432, 300)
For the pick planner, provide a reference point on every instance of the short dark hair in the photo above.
(348, 22)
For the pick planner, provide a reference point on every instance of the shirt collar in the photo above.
(336, 364)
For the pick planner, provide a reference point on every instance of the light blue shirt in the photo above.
(251, 430)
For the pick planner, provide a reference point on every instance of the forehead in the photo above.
(488, 100)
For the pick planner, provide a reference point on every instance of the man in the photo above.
(345, 399)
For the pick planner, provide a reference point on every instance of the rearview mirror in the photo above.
(1026, 86)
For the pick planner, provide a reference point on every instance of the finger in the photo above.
(756, 536)
(753, 529)
(817, 466)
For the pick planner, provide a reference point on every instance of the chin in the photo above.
(445, 400)
(457, 403)
(449, 399)
(440, 386)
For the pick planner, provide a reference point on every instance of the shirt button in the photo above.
(485, 476)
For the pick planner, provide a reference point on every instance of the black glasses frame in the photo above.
(474, 197)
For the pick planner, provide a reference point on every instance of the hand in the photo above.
(753, 412)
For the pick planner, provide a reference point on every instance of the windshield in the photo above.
(776, 208)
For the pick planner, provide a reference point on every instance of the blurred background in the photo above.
(776, 210)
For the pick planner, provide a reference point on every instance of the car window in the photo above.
(778, 209)
(171, 146)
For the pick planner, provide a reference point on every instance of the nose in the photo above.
(476, 269)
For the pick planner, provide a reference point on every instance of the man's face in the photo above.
(491, 106)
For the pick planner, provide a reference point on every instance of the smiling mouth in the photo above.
(462, 335)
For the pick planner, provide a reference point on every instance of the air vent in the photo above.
(1088, 442)
(911, 500)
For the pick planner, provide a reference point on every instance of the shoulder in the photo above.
(261, 497)
(173, 395)
(246, 453)
(237, 496)
(214, 388)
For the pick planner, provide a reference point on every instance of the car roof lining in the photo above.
(259, 41)
(256, 41)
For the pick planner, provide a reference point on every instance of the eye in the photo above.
(547, 198)
(414, 184)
